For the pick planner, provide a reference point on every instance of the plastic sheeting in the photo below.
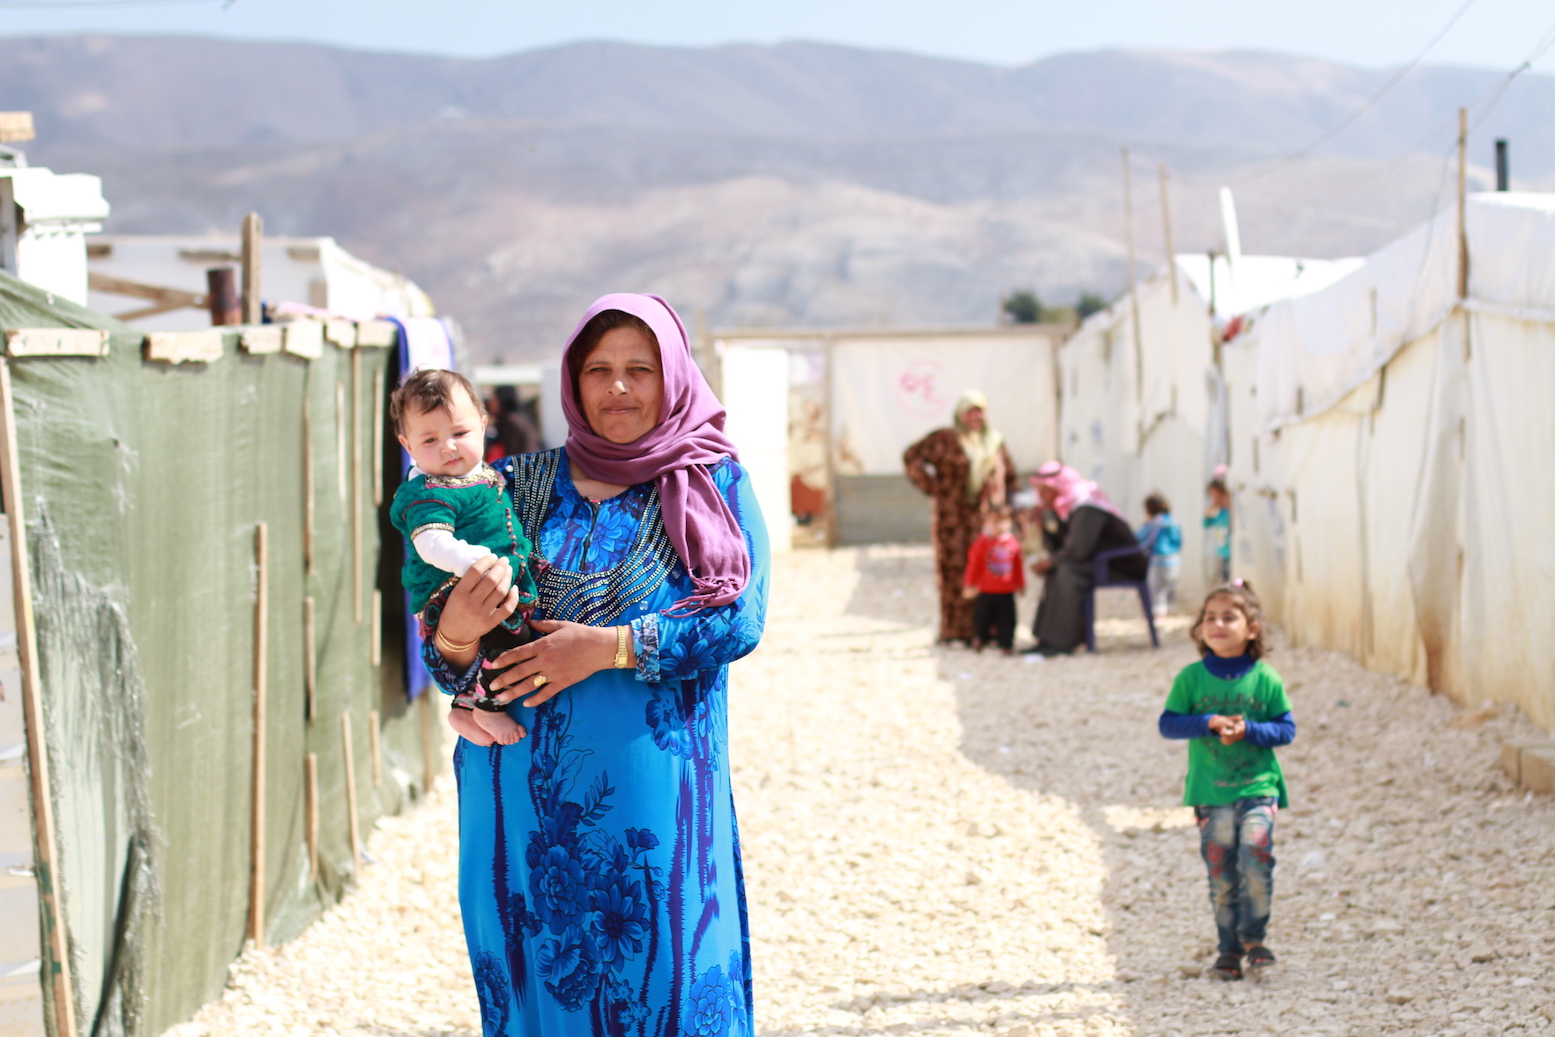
(424, 343)
(143, 484)
(887, 393)
(1321, 346)
(1403, 504)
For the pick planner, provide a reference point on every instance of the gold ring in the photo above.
(540, 680)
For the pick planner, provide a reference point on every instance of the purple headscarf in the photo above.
(677, 453)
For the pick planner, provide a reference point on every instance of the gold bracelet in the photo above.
(623, 647)
(447, 645)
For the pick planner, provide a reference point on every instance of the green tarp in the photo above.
(142, 486)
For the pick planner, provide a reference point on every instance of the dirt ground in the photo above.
(942, 843)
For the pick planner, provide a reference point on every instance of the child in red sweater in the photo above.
(994, 575)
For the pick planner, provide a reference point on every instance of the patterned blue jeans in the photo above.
(1237, 842)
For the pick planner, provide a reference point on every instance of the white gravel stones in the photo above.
(943, 843)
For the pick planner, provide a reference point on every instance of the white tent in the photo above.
(44, 219)
(1143, 411)
(857, 399)
(1393, 457)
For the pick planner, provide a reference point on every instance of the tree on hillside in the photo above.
(1022, 307)
(1089, 303)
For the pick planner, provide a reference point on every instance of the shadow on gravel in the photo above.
(1083, 728)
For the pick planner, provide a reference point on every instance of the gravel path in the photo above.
(942, 843)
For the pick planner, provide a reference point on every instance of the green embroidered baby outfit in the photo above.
(473, 508)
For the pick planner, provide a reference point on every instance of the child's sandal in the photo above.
(1227, 966)
(1259, 957)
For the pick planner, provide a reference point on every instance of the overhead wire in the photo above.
(1489, 98)
(1540, 49)
(49, 4)
(1370, 103)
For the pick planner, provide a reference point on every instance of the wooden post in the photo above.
(307, 482)
(340, 440)
(428, 758)
(355, 827)
(253, 247)
(310, 793)
(1133, 282)
(828, 353)
(1463, 203)
(1166, 226)
(256, 910)
(56, 966)
(378, 438)
(375, 744)
(310, 659)
(356, 484)
(375, 650)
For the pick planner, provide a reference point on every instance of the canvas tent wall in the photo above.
(858, 399)
(1404, 441)
(1145, 410)
(142, 484)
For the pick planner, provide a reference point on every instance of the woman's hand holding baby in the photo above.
(569, 653)
(483, 597)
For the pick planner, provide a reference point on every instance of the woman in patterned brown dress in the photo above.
(965, 469)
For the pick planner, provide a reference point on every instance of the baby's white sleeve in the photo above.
(441, 548)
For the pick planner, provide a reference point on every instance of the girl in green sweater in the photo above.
(1232, 708)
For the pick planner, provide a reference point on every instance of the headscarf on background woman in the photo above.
(676, 455)
(981, 445)
(963, 470)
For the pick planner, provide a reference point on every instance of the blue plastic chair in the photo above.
(1101, 579)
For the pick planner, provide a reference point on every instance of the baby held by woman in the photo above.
(453, 510)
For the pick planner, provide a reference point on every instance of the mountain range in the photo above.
(792, 185)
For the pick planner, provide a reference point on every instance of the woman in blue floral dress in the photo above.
(600, 875)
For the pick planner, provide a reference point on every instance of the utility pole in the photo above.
(1133, 284)
(1463, 203)
(1166, 226)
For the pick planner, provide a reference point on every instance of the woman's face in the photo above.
(972, 418)
(621, 386)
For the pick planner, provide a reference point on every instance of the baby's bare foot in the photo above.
(501, 727)
(463, 721)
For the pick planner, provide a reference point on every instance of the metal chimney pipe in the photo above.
(1503, 174)
(221, 295)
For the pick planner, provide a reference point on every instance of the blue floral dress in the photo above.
(599, 858)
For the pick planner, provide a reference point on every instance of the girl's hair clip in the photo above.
(1239, 582)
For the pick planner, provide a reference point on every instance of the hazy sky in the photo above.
(1491, 33)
